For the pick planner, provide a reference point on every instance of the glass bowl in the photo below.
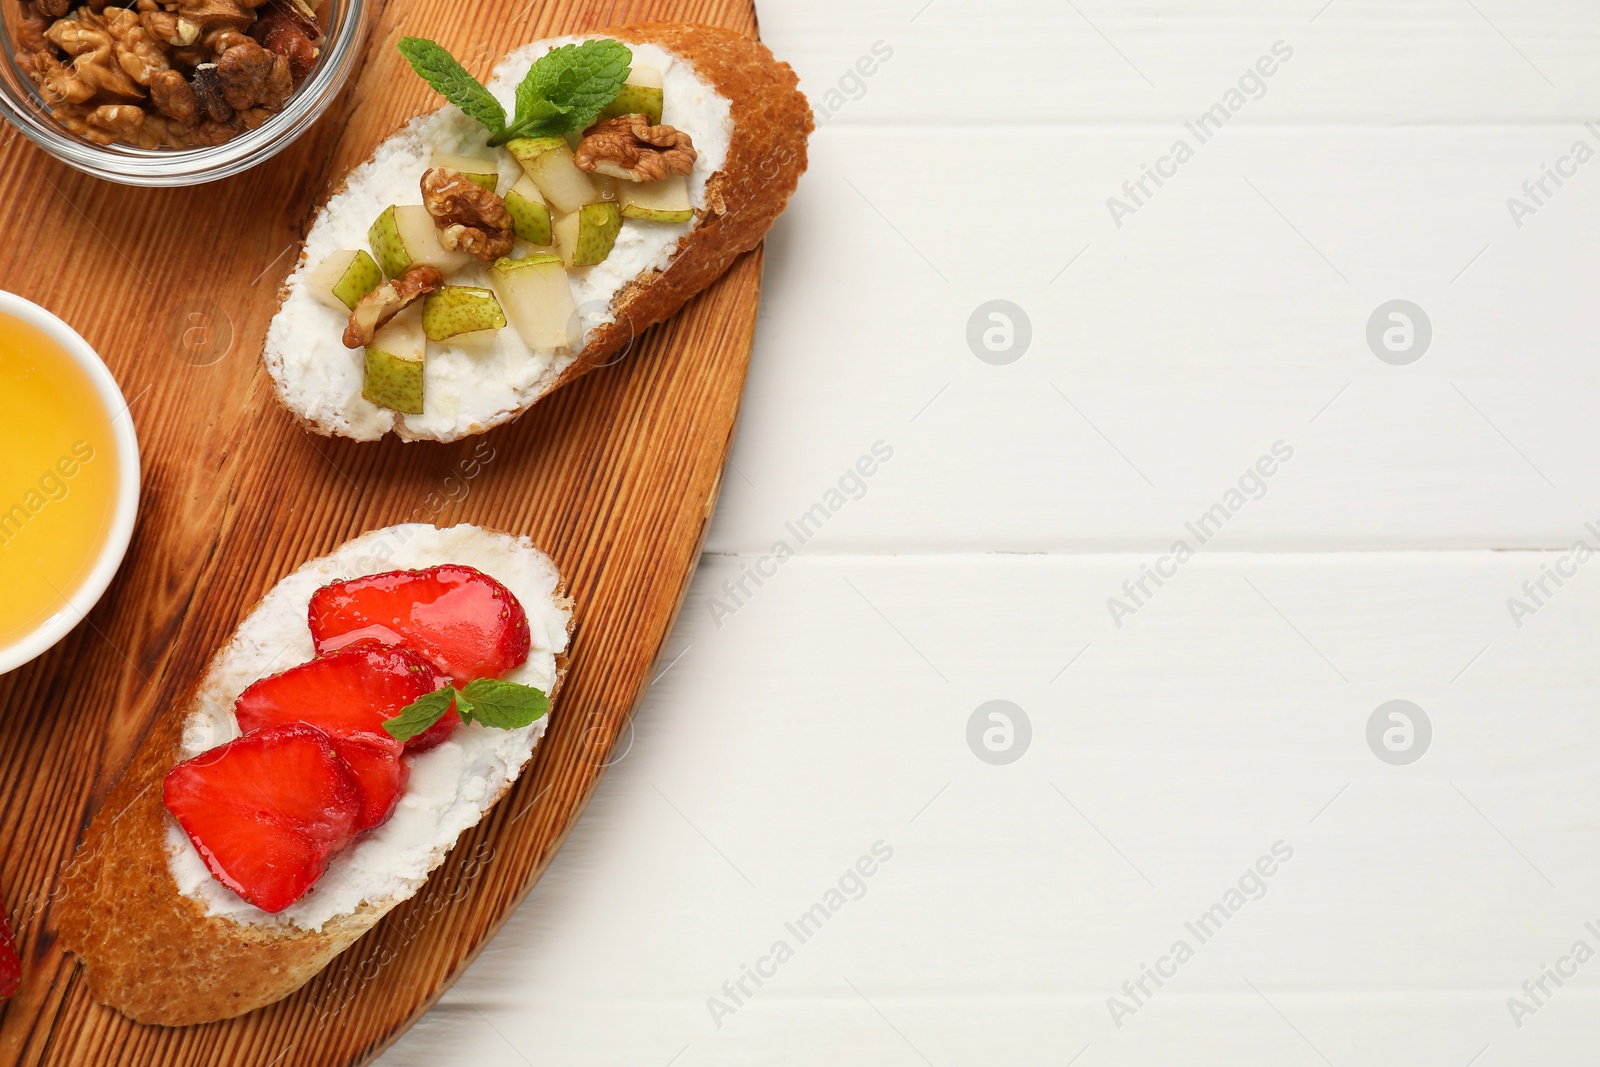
(24, 107)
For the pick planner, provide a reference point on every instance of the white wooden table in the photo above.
(1176, 740)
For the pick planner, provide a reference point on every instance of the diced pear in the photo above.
(640, 95)
(482, 171)
(605, 185)
(343, 278)
(530, 216)
(585, 237)
(538, 299)
(395, 362)
(452, 310)
(548, 161)
(406, 235)
(664, 201)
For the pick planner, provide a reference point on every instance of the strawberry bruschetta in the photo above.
(374, 705)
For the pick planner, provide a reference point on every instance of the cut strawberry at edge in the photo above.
(10, 962)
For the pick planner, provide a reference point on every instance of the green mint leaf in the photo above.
(421, 713)
(575, 82)
(506, 705)
(450, 80)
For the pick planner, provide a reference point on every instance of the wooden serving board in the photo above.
(614, 476)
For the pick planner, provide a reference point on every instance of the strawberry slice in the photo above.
(267, 810)
(10, 965)
(461, 620)
(383, 775)
(349, 691)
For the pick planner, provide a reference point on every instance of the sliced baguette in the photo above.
(164, 947)
(768, 123)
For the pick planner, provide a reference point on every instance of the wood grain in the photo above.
(615, 477)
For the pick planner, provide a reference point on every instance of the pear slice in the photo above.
(405, 236)
(482, 172)
(640, 95)
(586, 236)
(548, 161)
(454, 310)
(343, 278)
(530, 215)
(395, 361)
(664, 201)
(538, 299)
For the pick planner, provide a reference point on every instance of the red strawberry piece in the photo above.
(350, 691)
(382, 773)
(461, 620)
(267, 810)
(10, 965)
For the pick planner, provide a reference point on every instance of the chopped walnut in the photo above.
(251, 76)
(212, 133)
(219, 41)
(171, 95)
(86, 37)
(209, 16)
(137, 54)
(116, 122)
(387, 301)
(286, 30)
(629, 147)
(54, 8)
(208, 96)
(469, 217)
(31, 30)
(172, 29)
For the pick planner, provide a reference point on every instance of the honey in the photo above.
(58, 478)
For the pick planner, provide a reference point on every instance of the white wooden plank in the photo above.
(1178, 348)
(1107, 61)
(830, 712)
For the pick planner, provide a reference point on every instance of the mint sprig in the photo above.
(450, 80)
(502, 705)
(564, 90)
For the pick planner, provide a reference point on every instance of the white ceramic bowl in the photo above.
(126, 443)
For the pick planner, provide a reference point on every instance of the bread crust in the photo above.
(154, 954)
(766, 157)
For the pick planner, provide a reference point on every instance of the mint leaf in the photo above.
(505, 705)
(450, 80)
(533, 109)
(567, 88)
(422, 713)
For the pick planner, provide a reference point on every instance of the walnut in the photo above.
(219, 41)
(212, 15)
(212, 133)
(162, 132)
(172, 29)
(86, 37)
(469, 217)
(251, 76)
(31, 30)
(172, 96)
(54, 8)
(208, 97)
(117, 122)
(629, 147)
(387, 301)
(137, 54)
(286, 30)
